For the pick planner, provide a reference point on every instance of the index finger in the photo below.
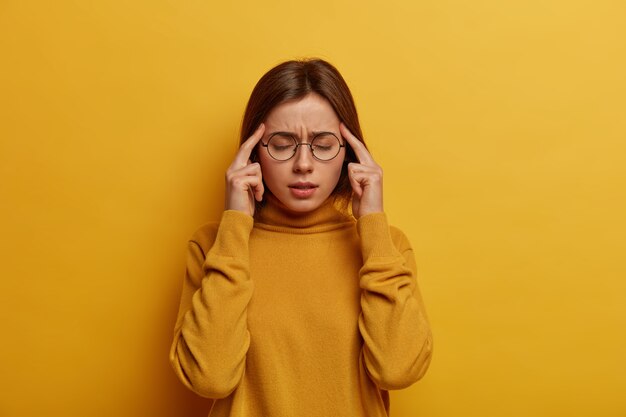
(359, 148)
(241, 159)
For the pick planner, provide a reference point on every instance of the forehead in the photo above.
(312, 112)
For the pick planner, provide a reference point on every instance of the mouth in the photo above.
(302, 189)
(303, 185)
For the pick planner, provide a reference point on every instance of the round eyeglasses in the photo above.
(282, 146)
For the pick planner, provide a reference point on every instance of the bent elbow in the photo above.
(211, 388)
(213, 382)
(423, 359)
(402, 376)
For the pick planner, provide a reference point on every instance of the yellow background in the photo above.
(500, 126)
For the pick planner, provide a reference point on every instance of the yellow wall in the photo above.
(501, 128)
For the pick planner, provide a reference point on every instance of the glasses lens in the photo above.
(281, 147)
(325, 146)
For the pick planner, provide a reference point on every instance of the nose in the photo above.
(303, 159)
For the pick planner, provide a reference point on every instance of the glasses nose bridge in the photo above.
(298, 144)
(304, 144)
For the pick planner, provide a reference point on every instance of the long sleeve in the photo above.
(397, 337)
(211, 337)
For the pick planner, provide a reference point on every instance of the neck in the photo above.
(275, 216)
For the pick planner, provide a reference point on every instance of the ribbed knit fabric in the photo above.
(300, 316)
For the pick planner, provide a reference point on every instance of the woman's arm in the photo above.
(397, 337)
(211, 337)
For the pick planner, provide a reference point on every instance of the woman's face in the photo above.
(301, 183)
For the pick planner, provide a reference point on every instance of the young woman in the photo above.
(302, 301)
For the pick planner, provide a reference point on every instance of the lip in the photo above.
(302, 189)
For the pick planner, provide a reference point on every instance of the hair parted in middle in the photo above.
(293, 80)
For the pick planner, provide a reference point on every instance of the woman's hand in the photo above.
(244, 183)
(366, 178)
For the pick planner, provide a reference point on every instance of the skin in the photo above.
(244, 179)
(366, 178)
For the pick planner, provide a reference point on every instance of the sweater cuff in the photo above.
(233, 234)
(375, 236)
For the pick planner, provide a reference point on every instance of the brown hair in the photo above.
(292, 80)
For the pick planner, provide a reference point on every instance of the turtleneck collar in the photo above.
(275, 216)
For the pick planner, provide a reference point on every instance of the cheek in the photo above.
(265, 162)
(270, 171)
(334, 172)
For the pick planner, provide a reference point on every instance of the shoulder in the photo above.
(399, 239)
(233, 224)
(204, 236)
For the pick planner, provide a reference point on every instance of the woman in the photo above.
(291, 306)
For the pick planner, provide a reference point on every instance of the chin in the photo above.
(301, 206)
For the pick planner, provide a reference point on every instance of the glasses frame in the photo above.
(298, 144)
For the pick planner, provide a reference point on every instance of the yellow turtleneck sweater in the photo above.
(296, 316)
